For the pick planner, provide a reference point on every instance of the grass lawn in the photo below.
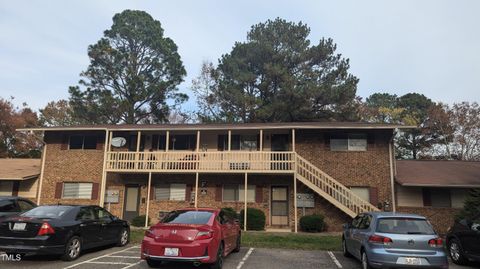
(303, 241)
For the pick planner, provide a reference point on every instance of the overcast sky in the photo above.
(432, 47)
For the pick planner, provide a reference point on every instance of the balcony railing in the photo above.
(221, 161)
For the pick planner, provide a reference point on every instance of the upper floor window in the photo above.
(238, 142)
(82, 142)
(75, 190)
(182, 142)
(348, 142)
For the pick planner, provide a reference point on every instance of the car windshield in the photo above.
(404, 226)
(188, 217)
(48, 212)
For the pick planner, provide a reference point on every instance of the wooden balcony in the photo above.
(209, 162)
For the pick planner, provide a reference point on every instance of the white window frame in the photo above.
(179, 191)
(239, 193)
(354, 142)
(86, 193)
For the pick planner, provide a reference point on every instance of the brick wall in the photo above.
(441, 218)
(62, 165)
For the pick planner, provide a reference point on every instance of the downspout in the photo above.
(392, 177)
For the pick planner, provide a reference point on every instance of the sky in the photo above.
(430, 47)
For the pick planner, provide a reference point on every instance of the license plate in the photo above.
(171, 251)
(19, 226)
(412, 261)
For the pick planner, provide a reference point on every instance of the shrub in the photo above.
(312, 223)
(230, 213)
(471, 205)
(255, 219)
(139, 221)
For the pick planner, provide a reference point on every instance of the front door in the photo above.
(279, 206)
(132, 202)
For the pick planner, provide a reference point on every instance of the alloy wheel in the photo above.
(124, 238)
(74, 248)
(454, 251)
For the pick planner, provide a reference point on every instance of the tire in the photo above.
(239, 243)
(218, 264)
(344, 248)
(153, 263)
(73, 248)
(365, 262)
(123, 238)
(455, 252)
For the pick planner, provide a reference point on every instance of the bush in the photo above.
(139, 221)
(312, 223)
(230, 213)
(255, 219)
(471, 205)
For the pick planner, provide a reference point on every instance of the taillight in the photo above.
(378, 239)
(46, 229)
(204, 235)
(149, 233)
(435, 242)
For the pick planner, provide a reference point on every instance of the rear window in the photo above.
(7, 206)
(49, 212)
(404, 226)
(188, 217)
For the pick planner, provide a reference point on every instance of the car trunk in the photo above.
(20, 227)
(410, 243)
(178, 233)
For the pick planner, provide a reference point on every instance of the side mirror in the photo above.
(346, 226)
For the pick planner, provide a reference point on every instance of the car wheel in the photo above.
(218, 264)
(238, 245)
(72, 249)
(124, 238)
(344, 249)
(365, 262)
(153, 263)
(456, 253)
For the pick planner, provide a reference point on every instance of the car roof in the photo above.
(199, 209)
(14, 198)
(381, 214)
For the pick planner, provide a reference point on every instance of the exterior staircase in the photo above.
(330, 189)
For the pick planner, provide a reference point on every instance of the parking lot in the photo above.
(247, 258)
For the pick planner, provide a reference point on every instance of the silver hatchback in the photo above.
(389, 240)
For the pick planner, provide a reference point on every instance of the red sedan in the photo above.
(192, 235)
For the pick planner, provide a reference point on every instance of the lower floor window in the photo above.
(74, 190)
(437, 197)
(236, 193)
(6, 188)
(362, 192)
(174, 192)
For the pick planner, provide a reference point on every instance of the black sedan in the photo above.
(11, 206)
(463, 240)
(63, 230)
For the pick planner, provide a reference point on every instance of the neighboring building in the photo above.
(19, 177)
(435, 189)
(148, 169)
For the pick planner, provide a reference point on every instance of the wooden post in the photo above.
(137, 155)
(295, 201)
(196, 190)
(148, 198)
(110, 141)
(293, 140)
(198, 141)
(167, 140)
(261, 140)
(245, 204)
(229, 140)
(392, 180)
(104, 173)
(42, 171)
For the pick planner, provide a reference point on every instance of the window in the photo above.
(236, 193)
(365, 224)
(102, 214)
(82, 142)
(173, 192)
(436, 197)
(24, 205)
(356, 221)
(6, 188)
(404, 226)
(49, 212)
(239, 142)
(8, 206)
(188, 217)
(362, 192)
(348, 142)
(85, 213)
(182, 142)
(77, 190)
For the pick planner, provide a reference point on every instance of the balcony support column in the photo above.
(167, 140)
(261, 140)
(148, 198)
(137, 157)
(293, 140)
(295, 201)
(103, 185)
(245, 204)
(229, 140)
(196, 190)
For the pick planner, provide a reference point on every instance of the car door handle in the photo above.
(83, 225)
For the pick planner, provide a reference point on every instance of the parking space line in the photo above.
(96, 258)
(120, 263)
(124, 257)
(337, 263)
(132, 265)
(240, 264)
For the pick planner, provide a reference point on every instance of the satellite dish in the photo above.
(118, 142)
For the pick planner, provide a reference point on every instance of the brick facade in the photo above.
(441, 218)
(367, 169)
